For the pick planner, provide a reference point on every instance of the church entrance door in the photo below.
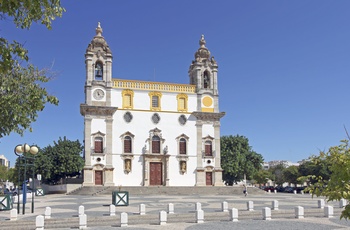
(155, 173)
(209, 178)
(98, 177)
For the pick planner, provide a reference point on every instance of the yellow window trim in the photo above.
(179, 97)
(159, 95)
(131, 93)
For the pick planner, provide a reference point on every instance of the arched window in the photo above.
(182, 146)
(208, 148)
(98, 145)
(98, 71)
(206, 80)
(127, 144)
(155, 144)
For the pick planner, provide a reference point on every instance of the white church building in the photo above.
(142, 133)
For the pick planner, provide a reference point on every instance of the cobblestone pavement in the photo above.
(66, 206)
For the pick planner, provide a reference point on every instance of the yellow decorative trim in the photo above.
(159, 86)
(209, 110)
(144, 110)
(179, 97)
(207, 101)
(126, 92)
(157, 94)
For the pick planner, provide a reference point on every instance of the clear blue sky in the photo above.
(284, 65)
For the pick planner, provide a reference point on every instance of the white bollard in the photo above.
(299, 212)
(142, 209)
(275, 191)
(82, 221)
(112, 210)
(123, 219)
(328, 211)
(170, 208)
(275, 205)
(13, 214)
(269, 191)
(162, 218)
(250, 206)
(47, 213)
(81, 210)
(342, 203)
(200, 216)
(224, 206)
(234, 214)
(295, 191)
(302, 192)
(321, 203)
(198, 206)
(266, 212)
(39, 222)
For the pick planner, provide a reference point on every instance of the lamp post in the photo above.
(20, 151)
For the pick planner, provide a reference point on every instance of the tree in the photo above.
(21, 93)
(308, 169)
(262, 176)
(238, 158)
(336, 186)
(277, 174)
(60, 160)
(291, 175)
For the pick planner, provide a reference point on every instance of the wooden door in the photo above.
(98, 177)
(209, 178)
(155, 173)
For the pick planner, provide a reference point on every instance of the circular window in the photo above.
(155, 118)
(182, 119)
(98, 159)
(128, 117)
(208, 161)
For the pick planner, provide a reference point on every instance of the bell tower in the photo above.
(203, 74)
(98, 62)
(98, 139)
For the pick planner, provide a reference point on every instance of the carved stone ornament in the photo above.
(208, 116)
(97, 110)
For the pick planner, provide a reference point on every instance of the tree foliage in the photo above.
(337, 186)
(21, 93)
(277, 174)
(60, 160)
(54, 163)
(291, 174)
(262, 176)
(238, 159)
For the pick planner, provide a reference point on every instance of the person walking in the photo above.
(245, 192)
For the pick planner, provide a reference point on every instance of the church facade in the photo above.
(141, 133)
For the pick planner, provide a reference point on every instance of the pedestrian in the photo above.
(245, 190)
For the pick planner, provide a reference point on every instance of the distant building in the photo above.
(270, 164)
(4, 161)
(142, 133)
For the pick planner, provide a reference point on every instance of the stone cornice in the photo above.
(97, 110)
(204, 116)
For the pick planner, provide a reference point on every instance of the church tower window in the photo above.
(206, 80)
(208, 148)
(98, 145)
(98, 71)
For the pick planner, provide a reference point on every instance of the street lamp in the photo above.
(19, 149)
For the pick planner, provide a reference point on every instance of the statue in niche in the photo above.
(183, 166)
(128, 165)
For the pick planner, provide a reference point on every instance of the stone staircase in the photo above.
(165, 190)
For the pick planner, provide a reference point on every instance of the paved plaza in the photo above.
(65, 210)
